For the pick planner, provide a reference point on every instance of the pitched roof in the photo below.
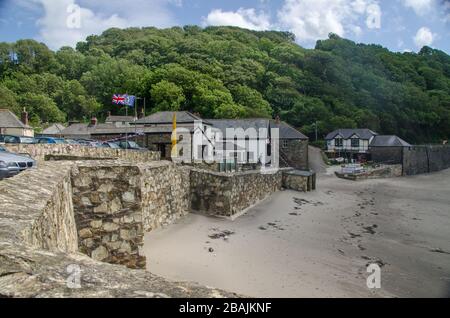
(113, 119)
(183, 117)
(388, 141)
(286, 131)
(82, 129)
(347, 133)
(54, 129)
(9, 120)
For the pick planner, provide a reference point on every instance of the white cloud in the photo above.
(424, 37)
(244, 18)
(421, 7)
(310, 20)
(97, 16)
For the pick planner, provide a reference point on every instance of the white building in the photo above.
(349, 143)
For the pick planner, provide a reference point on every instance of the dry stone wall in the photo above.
(36, 209)
(39, 235)
(40, 151)
(108, 212)
(227, 194)
(165, 194)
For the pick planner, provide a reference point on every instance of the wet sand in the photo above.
(318, 244)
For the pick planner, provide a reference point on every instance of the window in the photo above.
(355, 143)
(338, 142)
(285, 143)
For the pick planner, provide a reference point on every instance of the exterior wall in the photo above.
(165, 194)
(388, 155)
(425, 159)
(296, 153)
(115, 203)
(385, 171)
(108, 212)
(347, 146)
(36, 209)
(38, 243)
(303, 183)
(39, 151)
(28, 132)
(225, 194)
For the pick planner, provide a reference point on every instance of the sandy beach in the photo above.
(318, 244)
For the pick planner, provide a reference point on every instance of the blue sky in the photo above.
(400, 25)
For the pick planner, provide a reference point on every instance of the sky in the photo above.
(400, 25)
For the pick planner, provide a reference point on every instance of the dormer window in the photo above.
(338, 142)
(355, 142)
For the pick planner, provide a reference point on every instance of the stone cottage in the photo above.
(11, 125)
(387, 149)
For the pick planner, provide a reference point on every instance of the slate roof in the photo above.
(82, 129)
(286, 131)
(9, 120)
(347, 133)
(183, 117)
(113, 119)
(388, 141)
(54, 129)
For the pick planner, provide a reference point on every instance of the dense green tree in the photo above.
(167, 96)
(235, 73)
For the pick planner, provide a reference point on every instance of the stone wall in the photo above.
(299, 180)
(116, 202)
(165, 193)
(39, 241)
(225, 194)
(425, 159)
(39, 151)
(108, 212)
(383, 171)
(386, 155)
(295, 152)
(36, 208)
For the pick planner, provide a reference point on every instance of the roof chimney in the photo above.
(141, 114)
(93, 121)
(25, 117)
(108, 114)
(277, 119)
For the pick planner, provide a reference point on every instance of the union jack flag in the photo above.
(124, 99)
(119, 99)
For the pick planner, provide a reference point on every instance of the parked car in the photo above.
(131, 145)
(112, 145)
(11, 163)
(49, 140)
(71, 142)
(9, 139)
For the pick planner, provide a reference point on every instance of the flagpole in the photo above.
(126, 130)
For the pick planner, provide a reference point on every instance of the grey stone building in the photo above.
(387, 149)
(10, 124)
(155, 132)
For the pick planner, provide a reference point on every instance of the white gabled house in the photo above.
(349, 143)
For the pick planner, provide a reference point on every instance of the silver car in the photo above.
(11, 163)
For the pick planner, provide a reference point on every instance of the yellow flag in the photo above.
(174, 152)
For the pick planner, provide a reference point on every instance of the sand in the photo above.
(318, 244)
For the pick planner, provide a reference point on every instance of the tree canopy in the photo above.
(228, 72)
